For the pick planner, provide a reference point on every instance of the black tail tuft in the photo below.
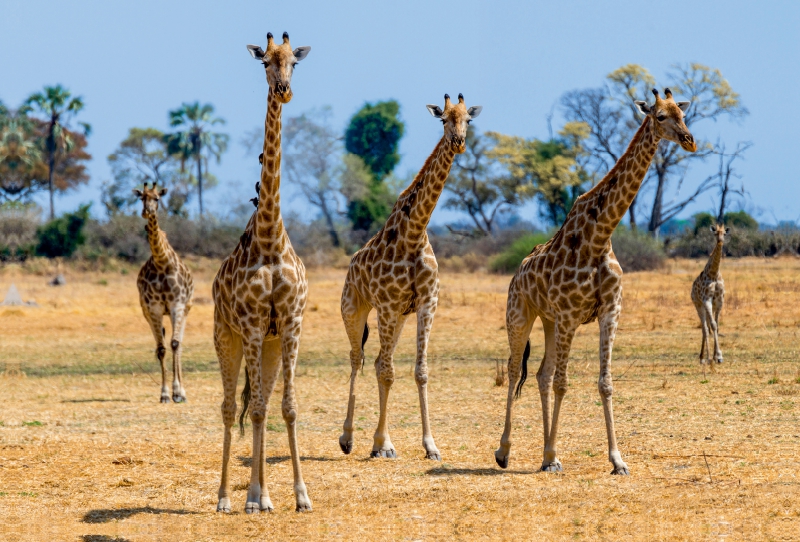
(363, 342)
(524, 377)
(163, 331)
(245, 402)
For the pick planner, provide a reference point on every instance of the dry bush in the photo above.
(740, 243)
(636, 250)
(468, 263)
(18, 233)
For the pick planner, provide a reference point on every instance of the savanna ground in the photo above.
(87, 452)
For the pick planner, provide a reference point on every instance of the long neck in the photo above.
(712, 267)
(268, 220)
(419, 200)
(157, 240)
(610, 199)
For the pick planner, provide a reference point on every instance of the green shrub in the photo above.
(637, 250)
(510, 259)
(740, 219)
(740, 242)
(62, 236)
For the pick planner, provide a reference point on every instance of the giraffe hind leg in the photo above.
(354, 315)
(155, 316)
(228, 346)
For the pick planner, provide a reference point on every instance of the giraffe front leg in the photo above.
(518, 325)
(270, 369)
(544, 377)
(155, 317)
(719, 298)
(389, 328)
(608, 330)
(425, 316)
(178, 318)
(701, 312)
(354, 315)
(564, 333)
(290, 346)
(258, 412)
(229, 354)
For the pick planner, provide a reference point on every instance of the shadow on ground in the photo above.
(248, 461)
(104, 515)
(102, 538)
(443, 471)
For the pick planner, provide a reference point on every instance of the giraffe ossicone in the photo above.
(574, 279)
(165, 289)
(260, 294)
(396, 273)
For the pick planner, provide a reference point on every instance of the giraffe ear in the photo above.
(162, 192)
(435, 110)
(683, 105)
(474, 111)
(643, 108)
(713, 229)
(301, 52)
(256, 52)
(727, 231)
(137, 193)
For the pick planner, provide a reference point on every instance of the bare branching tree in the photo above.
(727, 173)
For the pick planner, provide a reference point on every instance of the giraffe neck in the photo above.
(712, 267)
(268, 222)
(157, 240)
(610, 199)
(419, 200)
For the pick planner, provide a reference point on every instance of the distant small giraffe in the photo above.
(165, 286)
(396, 273)
(708, 295)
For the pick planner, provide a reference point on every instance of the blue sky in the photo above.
(133, 61)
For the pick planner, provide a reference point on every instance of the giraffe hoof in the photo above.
(266, 505)
(252, 508)
(433, 455)
(346, 447)
(178, 399)
(502, 461)
(224, 505)
(165, 398)
(620, 471)
(555, 466)
(389, 454)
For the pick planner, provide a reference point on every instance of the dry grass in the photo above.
(87, 452)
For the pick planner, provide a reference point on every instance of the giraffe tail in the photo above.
(363, 342)
(245, 402)
(524, 377)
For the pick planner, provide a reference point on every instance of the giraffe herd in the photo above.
(260, 290)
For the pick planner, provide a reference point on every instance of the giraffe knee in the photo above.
(228, 412)
(257, 415)
(421, 375)
(605, 386)
(175, 345)
(385, 373)
(289, 414)
(560, 384)
(160, 352)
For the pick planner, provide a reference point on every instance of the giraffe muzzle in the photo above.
(688, 143)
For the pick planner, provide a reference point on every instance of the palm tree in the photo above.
(195, 140)
(58, 106)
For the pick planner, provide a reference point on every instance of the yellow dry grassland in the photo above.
(87, 452)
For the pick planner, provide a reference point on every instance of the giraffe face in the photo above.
(720, 232)
(279, 62)
(667, 116)
(455, 118)
(149, 197)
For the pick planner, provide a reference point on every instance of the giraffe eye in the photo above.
(662, 118)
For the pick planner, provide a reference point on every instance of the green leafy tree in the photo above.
(143, 157)
(546, 170)
(57, 106)
(195, 141)
(374, 134)
(63, 236)
(19, 154)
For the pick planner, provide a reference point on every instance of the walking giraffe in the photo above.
(260, 295)
(165, 287)
(708, 295)
(574, 279)
(397, 274)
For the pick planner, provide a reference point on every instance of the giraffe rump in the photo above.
(524, 376)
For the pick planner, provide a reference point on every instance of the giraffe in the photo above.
(165, 287)
(396, 273)
(708, 295)
(574, 279)
(260, 294)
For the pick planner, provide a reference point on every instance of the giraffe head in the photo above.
(720, 232)
(279, 62)
(149, 197)
(455, 118)
(667, 116)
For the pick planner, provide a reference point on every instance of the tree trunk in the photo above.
(721, 215)
(329, 220)
(655, 216)
(51, 163)
(632, 213)
(200, 182)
